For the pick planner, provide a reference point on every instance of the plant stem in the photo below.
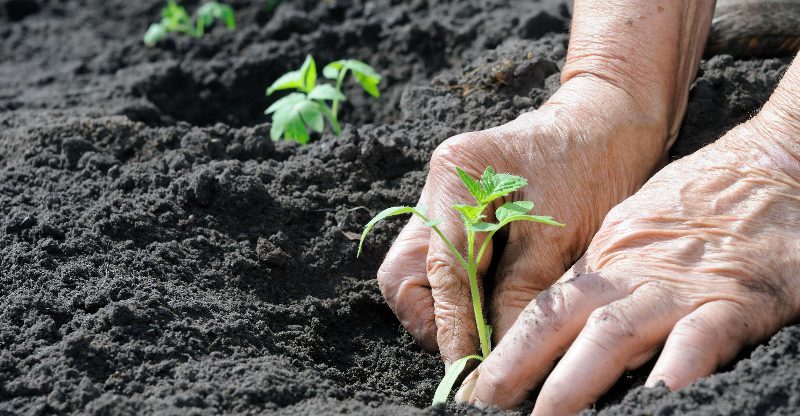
(472, 271)
(339, 81)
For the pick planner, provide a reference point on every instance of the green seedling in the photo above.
(490, 187)
(174, 18)
(307, 107)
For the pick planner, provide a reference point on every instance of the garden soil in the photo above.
(160, 255)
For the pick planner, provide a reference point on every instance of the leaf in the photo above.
(370, 85)
(512, 209)
(211, 10)
(289, 80)
(308, 74)
(286, 102)
(471, 214)
(484, 227)
(473, 186)
(498, 185)
(535, 218)
(154, 33)
(450, 377)
(433, 223)
(331, 71)
(331, 117)
(291, 115)
(326, 92)
(388, 212)
(296, 130)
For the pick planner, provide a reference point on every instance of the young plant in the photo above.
(490, 187)
(307, 108)
(174, 18)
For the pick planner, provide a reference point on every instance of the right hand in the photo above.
(587, 149)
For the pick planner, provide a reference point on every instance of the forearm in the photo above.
(649, 49)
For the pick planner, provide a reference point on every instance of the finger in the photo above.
(457, 333)
(528, 265)
(702, 341)
(544, 330)
(404, 283)
(617, 337)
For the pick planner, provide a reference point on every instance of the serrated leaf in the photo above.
(326, 92)
(471, 214)
(289, 80)
(498, 185)
(450, 377)
(388, 212)
(512, 209)
(473, 186)
(308, 74)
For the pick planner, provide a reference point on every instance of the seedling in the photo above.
(174, 18)
(490, 187)
(307, 108)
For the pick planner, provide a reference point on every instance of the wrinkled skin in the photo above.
(421, 280)
(702, 261)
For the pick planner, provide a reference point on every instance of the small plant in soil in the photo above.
(307, 107)
(174, 18)
(490, 187)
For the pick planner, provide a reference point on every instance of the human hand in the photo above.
(702, 261)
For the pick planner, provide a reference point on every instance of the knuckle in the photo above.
(610, 325)
(549, 308)
(442, 275)
(453, 152)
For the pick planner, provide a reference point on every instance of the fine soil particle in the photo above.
(161, 255)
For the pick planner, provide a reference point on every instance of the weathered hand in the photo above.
(588, 136)
(703, 260)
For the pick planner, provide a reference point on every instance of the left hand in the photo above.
(703, 260)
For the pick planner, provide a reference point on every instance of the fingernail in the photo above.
(467, 386)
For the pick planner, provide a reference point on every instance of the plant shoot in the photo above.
(490, 187)
(174, 18)
(307, 107)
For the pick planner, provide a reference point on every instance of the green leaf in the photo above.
(471, 214)
(309, 112)
(473, 186)
(154, 33)
(308, 74)
(450, 377)
(330, 71)
(211, 10)
(388, 212)
(498, 185)
(535, 218)
(370, 85)
(289, 80)
(326, 92)
(484, 227)
(331, 117)
(513, 209)
(286, 102)
(296, 130)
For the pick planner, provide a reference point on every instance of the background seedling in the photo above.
(486, 190)
(174, 18)
(306, 108)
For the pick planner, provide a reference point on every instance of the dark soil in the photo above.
(160, 255)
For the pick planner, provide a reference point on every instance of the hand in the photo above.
(589, 135)
(702, 261)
